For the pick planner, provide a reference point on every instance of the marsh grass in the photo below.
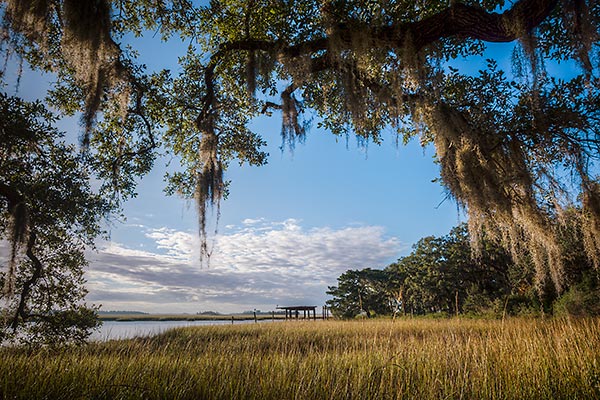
(406, 359)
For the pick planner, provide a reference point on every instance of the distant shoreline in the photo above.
(125, 317)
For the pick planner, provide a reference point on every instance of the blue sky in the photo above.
(287, 230)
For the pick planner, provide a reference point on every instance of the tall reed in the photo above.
(406, 359)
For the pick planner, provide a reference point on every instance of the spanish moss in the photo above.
(19, 228)
(209, 189)
(86, 45)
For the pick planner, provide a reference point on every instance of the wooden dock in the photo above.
(293, 312)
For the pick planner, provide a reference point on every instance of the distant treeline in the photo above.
(199, 316)
(120, 312)
(187, 317)
(440, 276)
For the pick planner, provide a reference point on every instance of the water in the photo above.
(129, 329)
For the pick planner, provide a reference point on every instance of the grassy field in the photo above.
(406, 359)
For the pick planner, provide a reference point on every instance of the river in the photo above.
(129, 329)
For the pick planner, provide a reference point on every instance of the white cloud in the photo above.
(258, 265)
(250, 221)
(177, 244)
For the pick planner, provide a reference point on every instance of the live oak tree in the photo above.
(50, 215)
(514, 152)
(440, 275)
(360, 292)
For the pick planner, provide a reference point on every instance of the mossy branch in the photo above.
(38, 268)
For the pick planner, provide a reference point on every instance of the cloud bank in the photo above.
(258, 264)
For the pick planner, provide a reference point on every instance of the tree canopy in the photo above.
(50, 214)
(360, 292)
(441, 277)
(516, 149)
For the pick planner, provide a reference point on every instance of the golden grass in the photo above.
(408, 359)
